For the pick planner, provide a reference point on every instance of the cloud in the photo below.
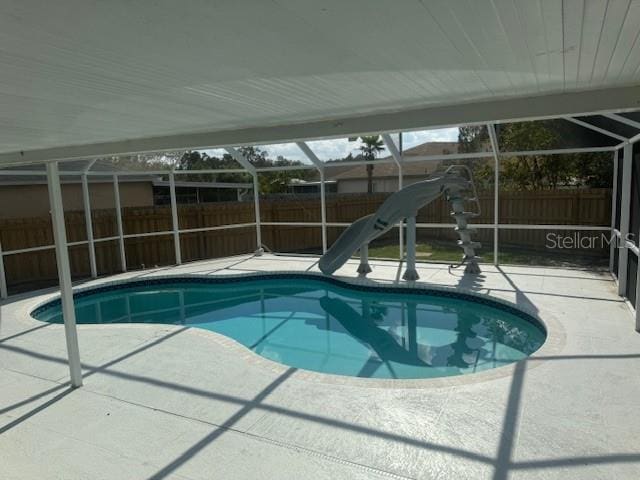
(341, 147)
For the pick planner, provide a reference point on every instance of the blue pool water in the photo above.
(323, 325)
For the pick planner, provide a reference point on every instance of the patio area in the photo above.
(162, 401)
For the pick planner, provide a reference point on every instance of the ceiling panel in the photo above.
(613, 27)
(89, 71)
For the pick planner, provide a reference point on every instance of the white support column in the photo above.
(323, 211)
(496, 189)
(86, 200)
(323, 200)
(246, 164)
(64, 273)
(397, 158)
(628, 152)
(637, 305)
(256, 206)
(625, 205)
(400, 187)
(116, 194)
(3, 278)
(401, 229)
(174, 218)
(614, 194)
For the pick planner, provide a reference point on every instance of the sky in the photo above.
(340, 148)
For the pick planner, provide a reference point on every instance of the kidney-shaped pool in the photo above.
(321, 324)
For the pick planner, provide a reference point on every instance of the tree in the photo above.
(535, 172)
(370, 147)
(472, 139)
(146, 161)
(593, 170)
(195, 160)
(270, 182)
(256, 156)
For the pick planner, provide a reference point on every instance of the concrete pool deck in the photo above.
(164, 401)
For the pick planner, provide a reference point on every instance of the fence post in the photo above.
(174, 218)
(116, 194)
(3, 278)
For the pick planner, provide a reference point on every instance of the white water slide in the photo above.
(454, 183)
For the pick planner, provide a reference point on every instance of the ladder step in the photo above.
(465, 214)
(475, 258)
(469, 244)
(467, 230)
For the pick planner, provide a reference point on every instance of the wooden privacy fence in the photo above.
(559, 207)
(37, 268)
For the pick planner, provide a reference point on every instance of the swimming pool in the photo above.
(324, 325)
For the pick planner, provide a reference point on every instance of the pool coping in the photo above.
(554, 343)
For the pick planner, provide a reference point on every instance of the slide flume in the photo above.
(402, 204)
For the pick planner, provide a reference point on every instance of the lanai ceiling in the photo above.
(118, 73)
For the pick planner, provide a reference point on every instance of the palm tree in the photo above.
(371, 146)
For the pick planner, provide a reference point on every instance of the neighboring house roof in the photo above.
(409, 169)
(101, 165)
(432, 148)
(388, 170)
(165, 183)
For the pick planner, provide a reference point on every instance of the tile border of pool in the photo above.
(161, 280)
(555, 341)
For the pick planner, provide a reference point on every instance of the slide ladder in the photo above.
(457, 200)
(454, 183)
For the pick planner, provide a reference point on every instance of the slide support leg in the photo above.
(364, 267)
(410, 273)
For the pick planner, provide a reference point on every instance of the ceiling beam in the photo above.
(621, 119)
(393, 149)
(495, 111)
(313, 158)
(596, 129)
(239, 157)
